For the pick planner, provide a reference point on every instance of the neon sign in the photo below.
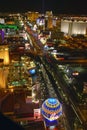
(8, 26)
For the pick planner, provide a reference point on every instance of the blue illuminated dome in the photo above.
(32, 71)
(51, 109)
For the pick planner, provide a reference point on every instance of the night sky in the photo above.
(56, 6)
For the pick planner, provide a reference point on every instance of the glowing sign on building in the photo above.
(51, 109)
(3, 26)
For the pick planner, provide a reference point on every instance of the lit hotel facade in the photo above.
(74, 27)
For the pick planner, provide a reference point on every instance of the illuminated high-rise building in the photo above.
(73, 27)
(4, 54)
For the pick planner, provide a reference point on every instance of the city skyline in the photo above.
(57, 7)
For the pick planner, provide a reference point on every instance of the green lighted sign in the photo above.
(3, 26)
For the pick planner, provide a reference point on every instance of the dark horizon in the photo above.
(57, 7)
